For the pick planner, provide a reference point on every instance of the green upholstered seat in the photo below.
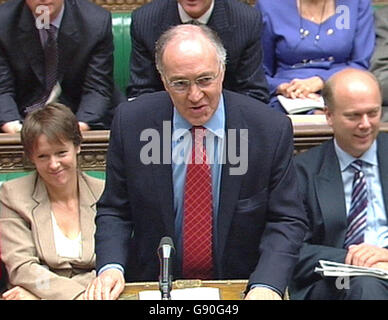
(121, 22)
(5, 176)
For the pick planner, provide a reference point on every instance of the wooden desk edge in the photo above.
(229, 289)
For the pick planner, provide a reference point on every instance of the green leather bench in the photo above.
(121, 22)
(12, 175)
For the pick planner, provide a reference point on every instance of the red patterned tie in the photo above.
(198, 213)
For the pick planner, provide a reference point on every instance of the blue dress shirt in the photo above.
(377, 229)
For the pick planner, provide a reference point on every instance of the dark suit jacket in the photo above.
(261, 222)
(85, 46)
(239, 27)
(322, 188)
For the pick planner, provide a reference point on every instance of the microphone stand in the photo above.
(165, 251)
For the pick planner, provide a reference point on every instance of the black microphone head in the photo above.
(166, 247)
(166, 241)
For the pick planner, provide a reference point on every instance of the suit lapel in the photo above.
(331, 197)
(29, 41)
(219, 19)
(68, 40)
(43, 223)
(87, 206)
(382, 156)
(230, 184)
(162, 173)
(169, 18)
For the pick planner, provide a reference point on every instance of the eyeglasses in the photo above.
(183, 85)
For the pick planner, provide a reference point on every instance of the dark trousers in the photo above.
(349, 288)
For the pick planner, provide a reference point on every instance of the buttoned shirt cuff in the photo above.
(111, 266)
(260, 285)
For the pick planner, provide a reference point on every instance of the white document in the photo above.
(335, 269)
(55, 93)
(293, 106)
(202, 293)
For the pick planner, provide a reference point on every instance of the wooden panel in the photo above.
(95, 145)
(229, 289)
(92, 157)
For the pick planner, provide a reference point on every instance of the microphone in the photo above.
(165, 252)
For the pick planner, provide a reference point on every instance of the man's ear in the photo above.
(328, 115)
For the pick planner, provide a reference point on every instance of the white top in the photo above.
(65, 247)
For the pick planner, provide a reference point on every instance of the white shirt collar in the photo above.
(202, 19)
(345, 159)
(58, 19)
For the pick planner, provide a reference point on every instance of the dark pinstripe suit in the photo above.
(85, 72)
(237, 24)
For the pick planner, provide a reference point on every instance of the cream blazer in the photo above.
(27, 238)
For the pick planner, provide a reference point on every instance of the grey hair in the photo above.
(185, 31)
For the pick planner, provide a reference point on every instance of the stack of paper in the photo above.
(298, 105)
(335, 269)
(202, 293)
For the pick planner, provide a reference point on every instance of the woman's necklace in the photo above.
(303, 32)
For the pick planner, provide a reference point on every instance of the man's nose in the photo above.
(365, 121)
(195, 93)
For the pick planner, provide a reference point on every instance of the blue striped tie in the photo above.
(358, 207)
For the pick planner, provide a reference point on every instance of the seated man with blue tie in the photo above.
(229, 200)
(344, 183)
(58, 50)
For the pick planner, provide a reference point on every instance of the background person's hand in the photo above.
(12, 127)
(301, 88)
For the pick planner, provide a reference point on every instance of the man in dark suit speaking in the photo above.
(228, 197)
(237, 24)
(58, 50)
(344, 183)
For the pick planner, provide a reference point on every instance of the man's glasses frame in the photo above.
(183, 85)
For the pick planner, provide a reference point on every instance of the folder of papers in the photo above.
(335, 269)
(293, 106)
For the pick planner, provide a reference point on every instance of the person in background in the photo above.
(379, 64)
(307, 41)
(248, 212)
(237, 24)
(56, 51)
(344, 183)
(47, 217)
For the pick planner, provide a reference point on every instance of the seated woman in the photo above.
(307, 41)
(47, 218)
